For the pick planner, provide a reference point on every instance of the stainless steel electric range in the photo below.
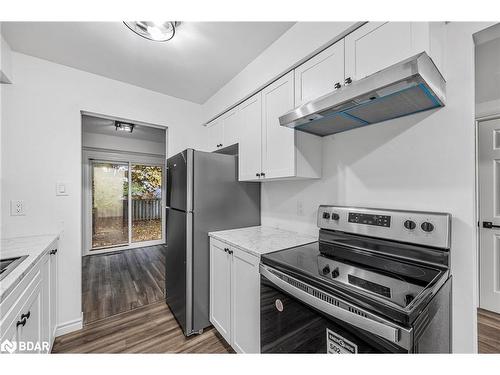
(377, 281)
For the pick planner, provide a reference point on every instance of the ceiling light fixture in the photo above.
(124, 126)
(158, 31)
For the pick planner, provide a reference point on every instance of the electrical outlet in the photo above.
(17, 208)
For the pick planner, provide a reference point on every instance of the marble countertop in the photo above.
(262, 240)
(32, 246)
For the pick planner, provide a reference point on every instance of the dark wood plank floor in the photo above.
(148, 329)
(488, 327)
(116, 282)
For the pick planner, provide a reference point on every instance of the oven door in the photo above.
(298, 318)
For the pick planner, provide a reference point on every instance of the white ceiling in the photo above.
(196, 63)
(104, 126)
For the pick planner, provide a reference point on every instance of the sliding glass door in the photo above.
(126, 203)
(110, 224)
(146, 202)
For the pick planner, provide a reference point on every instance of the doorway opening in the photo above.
(123, 231)
(487, 65)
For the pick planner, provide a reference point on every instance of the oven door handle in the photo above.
(377, 327)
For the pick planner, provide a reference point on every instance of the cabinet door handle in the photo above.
(348, 81)
(263, 174)
(229, 251)
(257, 174)
(226, 249)
(337, 85)
(489, 225)
(53, 252)
(21, 322)
(26, 316)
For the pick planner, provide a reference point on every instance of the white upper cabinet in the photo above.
(231, 127)
(320, 75)
(215, 135)
(286, 154)
(279, 142)
(250, 144)
(378, 45)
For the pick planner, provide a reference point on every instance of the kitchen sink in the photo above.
(7, 265)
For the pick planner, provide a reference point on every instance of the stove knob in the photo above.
(326, 215)
(335, 216)
(427, 227)
(326, 270)
(335, 273)
(410, 224)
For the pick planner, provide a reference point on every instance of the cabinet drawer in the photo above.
(9, 316)
(22, 289)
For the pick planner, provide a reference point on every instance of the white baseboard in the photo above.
(71, 326)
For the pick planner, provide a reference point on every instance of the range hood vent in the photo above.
(411, 86)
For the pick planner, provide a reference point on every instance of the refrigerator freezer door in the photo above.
(179, 180)
(178, 267)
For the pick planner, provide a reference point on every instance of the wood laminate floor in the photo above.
(488, 327)
(148, 329)
(116, 282)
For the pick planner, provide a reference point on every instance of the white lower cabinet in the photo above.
(220, 289)
(235, 296)
(28, 314)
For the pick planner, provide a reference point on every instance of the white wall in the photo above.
(41, 144)
(422, 162)
(110, 142)
(5, 60)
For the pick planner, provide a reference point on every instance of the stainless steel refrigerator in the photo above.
(203, 195)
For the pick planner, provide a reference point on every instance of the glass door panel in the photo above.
(146, 209)
(110, 223)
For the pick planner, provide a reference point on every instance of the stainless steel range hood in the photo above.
(413, 85)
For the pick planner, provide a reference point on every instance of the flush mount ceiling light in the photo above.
(159, 31)
(124, 126)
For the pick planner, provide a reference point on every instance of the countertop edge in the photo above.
(250, 251)
(32, 262)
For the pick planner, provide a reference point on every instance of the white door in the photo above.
(220, 288)
(246, 302)
(250, 145)
(378, 45)
(278, 153)
(320, 75)
(215, 136)
(231, 124)
(489, 212)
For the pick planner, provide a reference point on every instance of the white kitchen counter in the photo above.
(262, 240)
(33, 246)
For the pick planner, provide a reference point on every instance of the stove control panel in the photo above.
(369, 219)
(424, 228)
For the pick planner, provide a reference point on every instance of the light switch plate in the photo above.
(17, 208)
(62, 189)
